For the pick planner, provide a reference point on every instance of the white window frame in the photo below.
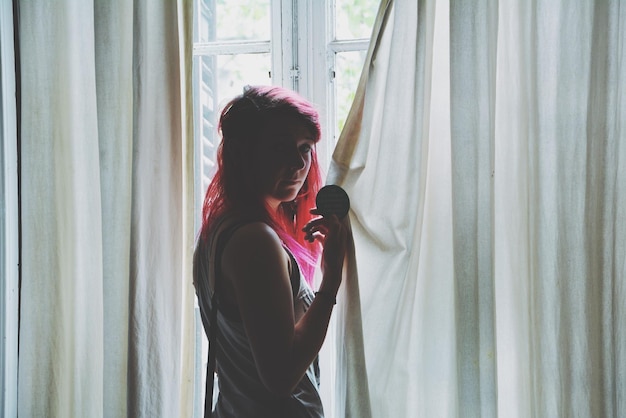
(302, 42)
(317, 49)
(303, 52)
(9, 235)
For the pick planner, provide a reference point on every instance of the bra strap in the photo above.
(223, 235)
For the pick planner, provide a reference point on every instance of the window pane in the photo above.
(348, 67)
(243, 19)
(237, 71)
(204, 21)
(355, 18)
(218, 79)
(221, 20)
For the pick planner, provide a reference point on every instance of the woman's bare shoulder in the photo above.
(253, 245)
(253, 234)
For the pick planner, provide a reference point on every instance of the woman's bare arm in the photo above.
(258, 267)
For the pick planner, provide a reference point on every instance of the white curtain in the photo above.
(105, 209)
(485, 159)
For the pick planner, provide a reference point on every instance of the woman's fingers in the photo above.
(316, 230)
(331, 233)
(315, 236)
(321, 225)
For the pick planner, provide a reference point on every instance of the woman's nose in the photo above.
(297, 160)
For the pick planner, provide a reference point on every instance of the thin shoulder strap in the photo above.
(223, 235)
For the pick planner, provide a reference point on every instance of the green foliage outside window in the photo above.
(355, 18)
(243, 19)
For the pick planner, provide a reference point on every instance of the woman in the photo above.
(256, 251)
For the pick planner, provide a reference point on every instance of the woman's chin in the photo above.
(284, 195)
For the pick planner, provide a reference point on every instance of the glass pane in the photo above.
(237, 71)
(204, 28)
(354, 19)
(348, 67)
(243, 19)
(217, 80)
(232, 20)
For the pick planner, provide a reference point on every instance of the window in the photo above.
(315, 47)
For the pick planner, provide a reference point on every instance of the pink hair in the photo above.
(232, 188)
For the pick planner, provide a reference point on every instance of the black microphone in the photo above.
(332, 200)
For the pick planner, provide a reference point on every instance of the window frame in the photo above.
(302, 41)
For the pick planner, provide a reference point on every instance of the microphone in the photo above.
(332, 200)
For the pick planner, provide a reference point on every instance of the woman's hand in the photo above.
(333, 235)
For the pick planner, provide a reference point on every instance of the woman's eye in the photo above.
(306, 148)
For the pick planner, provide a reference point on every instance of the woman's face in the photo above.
(284, 157)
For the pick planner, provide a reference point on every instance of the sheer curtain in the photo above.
(105, 209)
(485, 158)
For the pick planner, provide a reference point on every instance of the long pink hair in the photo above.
(233, 187)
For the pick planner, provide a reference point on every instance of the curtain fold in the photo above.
(105, 209)
(473, 39)
(394, 214)
(560, 237)
(484, 156)
(60, 351)
(113, 29)
(156, 267)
